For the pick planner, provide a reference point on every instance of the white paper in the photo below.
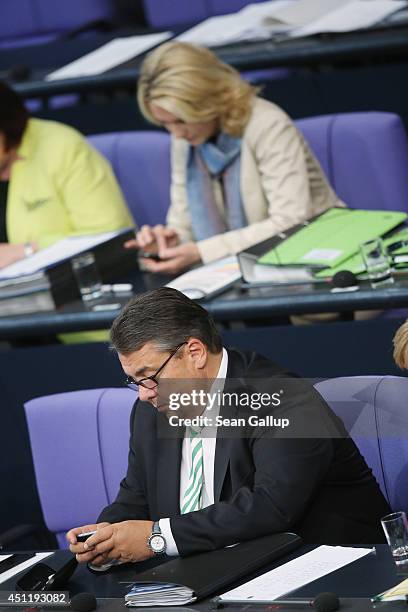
(247, 24)
(208, 279)
(63, 249)
(322, 255)
(295, 574)
(293, 17)
(108, 56)
(352, 16)
(22, 566)
(295, 13)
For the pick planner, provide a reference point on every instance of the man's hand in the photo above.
(175, 259)
(154, 239)
(10, 253)
(78, 548)
(125, 541)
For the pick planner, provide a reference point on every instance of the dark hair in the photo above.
(165, 317)
(13, 116)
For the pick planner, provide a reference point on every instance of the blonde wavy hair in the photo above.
(193, 84)
(400, 342)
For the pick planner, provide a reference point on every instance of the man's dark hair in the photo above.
(13, 116)
(165, 317)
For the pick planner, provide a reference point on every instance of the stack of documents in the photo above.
(209, 280)
(45, 280)
(159, 594)
(294, 18)
(59, 251)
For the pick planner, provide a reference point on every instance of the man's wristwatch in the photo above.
(28, 249)
(156, 541)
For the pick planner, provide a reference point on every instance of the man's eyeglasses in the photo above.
(150, 382)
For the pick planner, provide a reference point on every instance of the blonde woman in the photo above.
(241, 171)
(400, 342)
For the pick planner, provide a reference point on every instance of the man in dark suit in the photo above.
(254, 468)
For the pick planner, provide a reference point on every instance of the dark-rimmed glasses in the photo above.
(150, 382)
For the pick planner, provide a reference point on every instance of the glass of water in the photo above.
(87, 277)
(396, 531)
(375, 258)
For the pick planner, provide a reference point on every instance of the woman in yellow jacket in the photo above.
(53, 184)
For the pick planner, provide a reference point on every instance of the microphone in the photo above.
(83, 602)
(344, 278)
(324, 602)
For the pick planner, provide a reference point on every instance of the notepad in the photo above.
(295, 574)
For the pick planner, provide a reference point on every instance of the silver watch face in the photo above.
(157, 543)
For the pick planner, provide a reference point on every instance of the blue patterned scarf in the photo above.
(220, 160)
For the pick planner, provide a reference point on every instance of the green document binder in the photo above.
(332, 239)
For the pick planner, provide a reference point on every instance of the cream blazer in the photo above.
(282, 184)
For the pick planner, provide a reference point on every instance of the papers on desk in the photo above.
(159, 594)
(22, 566)
(109, 56)
(209, 280)
(248, 24)
(295, 574)
(351, 16)
(59, 251)
(294, 18)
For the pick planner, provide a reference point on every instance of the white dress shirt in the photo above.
(209, 440)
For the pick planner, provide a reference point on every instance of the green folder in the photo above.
(355, 262)
(332, 239)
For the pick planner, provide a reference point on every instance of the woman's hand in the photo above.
(175, 259)
(154, 239)
(10, 253)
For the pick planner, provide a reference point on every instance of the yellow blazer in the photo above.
(282, 184)
(61, 187)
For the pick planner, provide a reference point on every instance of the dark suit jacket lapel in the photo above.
(169, 449)
(225, 442)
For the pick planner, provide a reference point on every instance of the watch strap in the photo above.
(156, 528)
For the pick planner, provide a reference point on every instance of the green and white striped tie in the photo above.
(193, 496)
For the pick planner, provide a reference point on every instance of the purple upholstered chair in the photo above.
(374, 411)
(141, 163)
(80, 443)
(222, 7)
(28, 22)
(165, 14)
(364, 156)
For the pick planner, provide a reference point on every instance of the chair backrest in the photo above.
(80, 442)
(31, 21)
(141, 163)
(222, 7)
(364, 156)
(164, 14)
(374, 411)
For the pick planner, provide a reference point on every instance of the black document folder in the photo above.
(209, 573)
